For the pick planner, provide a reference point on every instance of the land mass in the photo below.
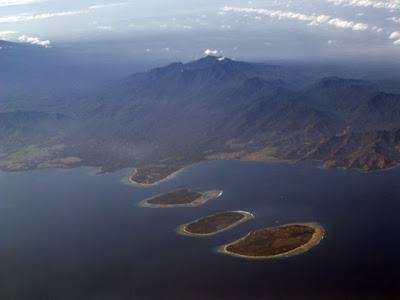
(282, 241)
(209, 109)
(181, 197)
(214, 224)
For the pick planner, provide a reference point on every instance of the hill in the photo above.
(217, 108)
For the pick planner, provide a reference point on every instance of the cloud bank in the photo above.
(18, 2)
(392, 4)
(5, 35)
(34, 41)
(23, 17)
(312, 20)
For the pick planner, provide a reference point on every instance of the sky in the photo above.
(173, 29)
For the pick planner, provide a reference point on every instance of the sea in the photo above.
(71, 234)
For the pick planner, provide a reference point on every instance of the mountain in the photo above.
(366, 151)
(218, 108)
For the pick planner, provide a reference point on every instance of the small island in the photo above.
(283, 241)
(181, 197)
(214, 224)
(153, 174)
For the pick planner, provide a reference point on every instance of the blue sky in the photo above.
(173, 28)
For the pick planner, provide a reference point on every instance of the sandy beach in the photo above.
(182, 229)
(208, 195)
(315, 239)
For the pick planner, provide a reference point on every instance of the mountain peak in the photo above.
(208, 61)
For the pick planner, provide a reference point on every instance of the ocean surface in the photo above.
(67, 234)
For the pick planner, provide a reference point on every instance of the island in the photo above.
(283, 241)
(153, 174)
(181, 197)
(214, 224)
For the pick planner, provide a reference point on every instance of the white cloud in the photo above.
(211, 52)
(377, 29)
(5, 35)
(394, 35)
(104, 27)
(397, 42)
(348, 24)
(391, 4)
(312, 20)
(34, 41)
(18, 2)
(106, 5)
(166, 49)
(23, 17)
(394, 19)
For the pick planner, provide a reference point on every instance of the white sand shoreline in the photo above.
(315, 240)
(182, 228)
(208, 195)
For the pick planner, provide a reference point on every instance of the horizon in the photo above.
(333, 30)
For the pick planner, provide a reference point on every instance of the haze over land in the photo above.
(155, 86)
(233, 80)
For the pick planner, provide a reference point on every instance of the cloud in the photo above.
(392, 4)
(394, 19)
(34, 41)
(394, 35)
(312, 20)
(104, 27)
(211, 52)
(18, 2)
(377, 29)
(106, 5)
(348, 24)
(23, 17)
(5, 35)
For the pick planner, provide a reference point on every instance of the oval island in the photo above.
(283, 241)
(181, 197)
(214, 224)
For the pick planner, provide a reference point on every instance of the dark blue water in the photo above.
(66, 234)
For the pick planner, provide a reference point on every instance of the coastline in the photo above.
(314, 241)
(181, 229)
(170, 176)
(208, 195)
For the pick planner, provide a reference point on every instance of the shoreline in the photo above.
(181, 229)
(208, 195)
(314, 241)
(130, 181)
(170, 176)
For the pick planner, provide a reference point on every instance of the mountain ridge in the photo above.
(214, 108)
